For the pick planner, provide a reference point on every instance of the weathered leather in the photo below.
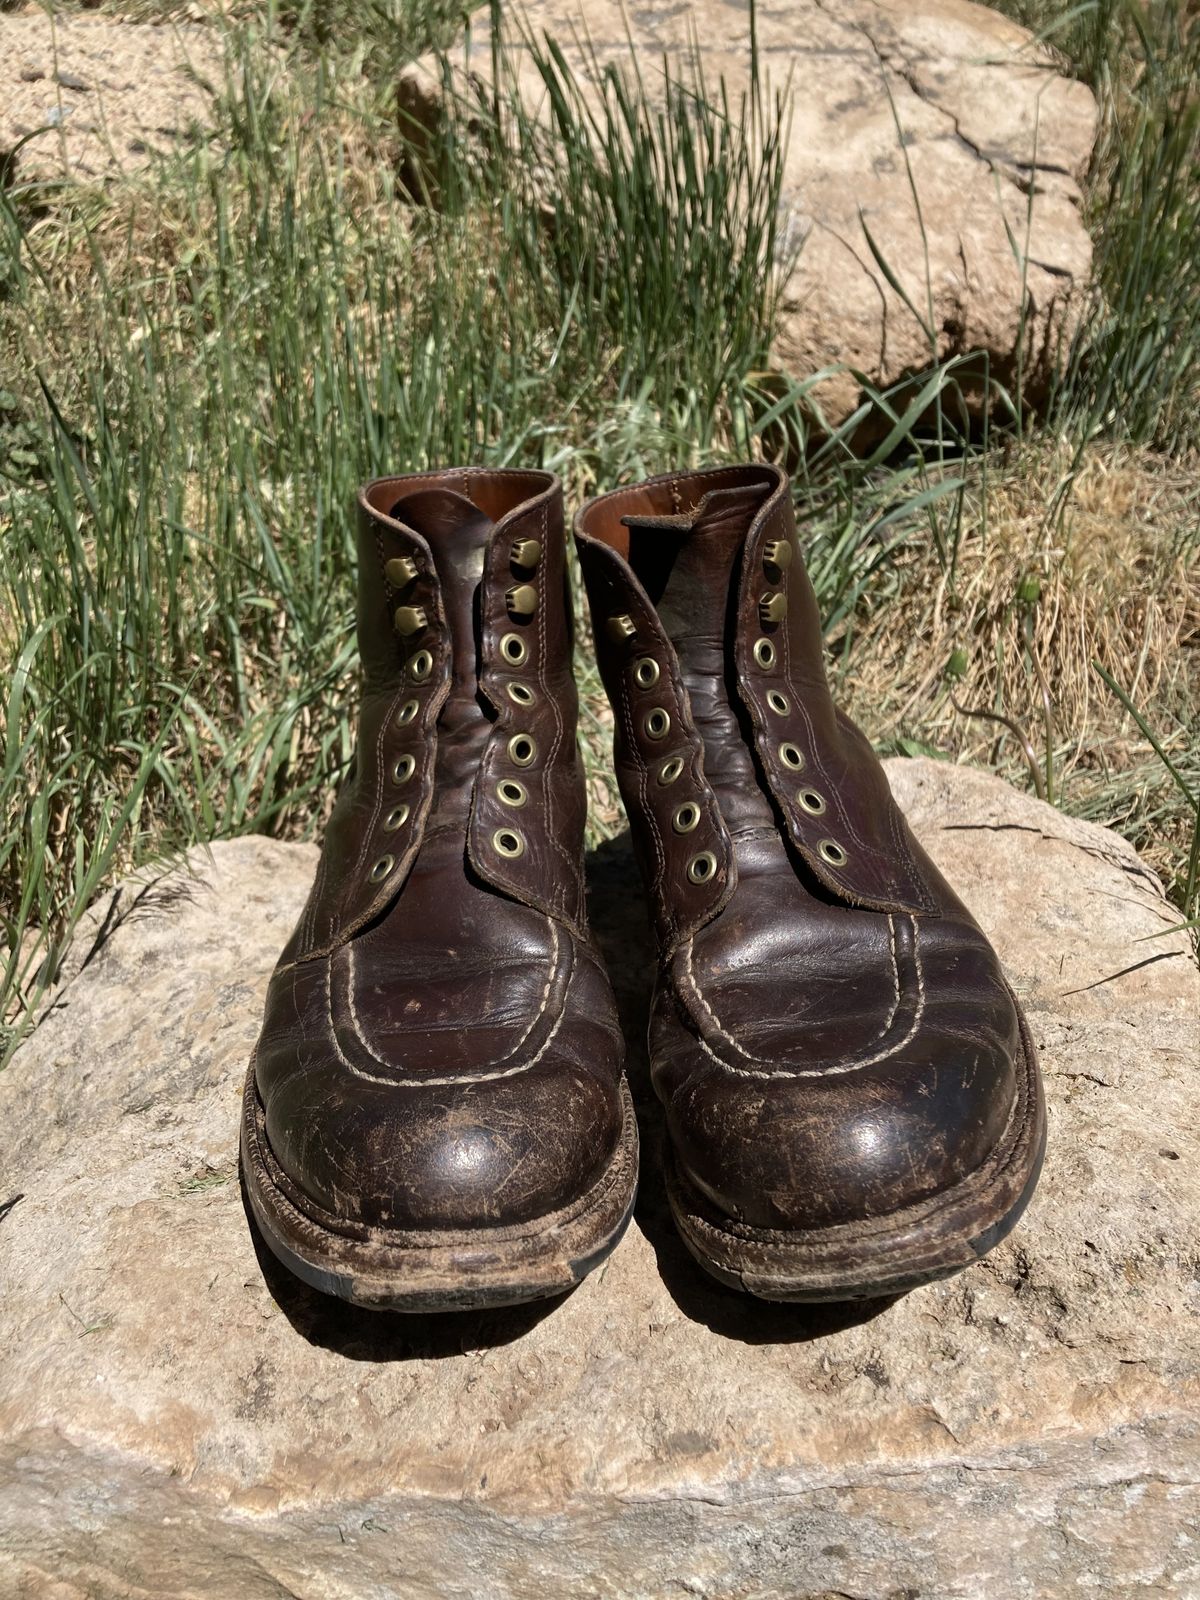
(441, 1049)
(831, 1035)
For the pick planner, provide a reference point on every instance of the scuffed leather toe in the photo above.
(370, 1126)
(790, 1152)
(849, 1066)
(498, 1153)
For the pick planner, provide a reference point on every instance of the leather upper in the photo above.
(831, 1033)
(440, 1048)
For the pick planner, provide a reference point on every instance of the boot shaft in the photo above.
(468, 713)
(709, 642)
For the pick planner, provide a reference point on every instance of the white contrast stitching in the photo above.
(483, 1075)
(836, 1067)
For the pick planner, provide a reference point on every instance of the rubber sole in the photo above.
(467, 1270)
(879, 1256)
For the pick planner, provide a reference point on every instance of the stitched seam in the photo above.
(815, 750)
(377, 802)
(728, 1038)
(767, 759)
(705, 477)
(903, 856)
(904, 853)
(560, 898)
(895, 975)
(647, 810)
(834, 1068)
(493, 685)
(463, 475)
(315, 894)
(551, 968)
(705, 793)
(481, 1075)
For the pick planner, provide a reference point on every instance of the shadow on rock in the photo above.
(617, 910)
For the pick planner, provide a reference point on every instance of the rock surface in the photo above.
(178, 1419)
(940, 130)
(97, 94)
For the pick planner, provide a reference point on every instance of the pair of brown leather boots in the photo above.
(437, 1115)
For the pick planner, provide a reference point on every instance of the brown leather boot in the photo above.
(436, 1116)
(852, 1099)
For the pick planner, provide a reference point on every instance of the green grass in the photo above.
(232, 347)
(198, 366)
(1134, 367)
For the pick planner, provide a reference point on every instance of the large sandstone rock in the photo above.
(177, 1418)
(939, 128)
(88, 96)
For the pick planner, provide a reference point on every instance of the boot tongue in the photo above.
(458, 535)
(689, 564)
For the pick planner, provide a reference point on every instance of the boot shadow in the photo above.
(620, 923)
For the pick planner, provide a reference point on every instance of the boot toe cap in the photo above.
(421, 1159)
(813, 1151)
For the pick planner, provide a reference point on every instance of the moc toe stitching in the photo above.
(856, 1062)
(558, 972)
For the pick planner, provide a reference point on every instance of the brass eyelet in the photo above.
(670, 770)
(408, 711)
(686, 817)
(522, 600)
(420, 666)
(811, 800)
(509, 843)
(511, 792)
(521, 694)
(791, 756)
(525, 553)
(522, 749)
(764, 654)
(656, 724)
(646, 672)
(778, 554)
(381, 868)
(408, 620)
(400, 571)
(514, 649)
(830, 850)
(396, 818)
(403, 769)
(778, 702)
(702, 867)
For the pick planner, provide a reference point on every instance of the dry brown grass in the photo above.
(1039, 598)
